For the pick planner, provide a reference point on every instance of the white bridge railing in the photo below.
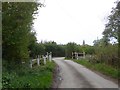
(39, 59)
(76, 55)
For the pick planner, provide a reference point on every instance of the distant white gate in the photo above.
(76, 55)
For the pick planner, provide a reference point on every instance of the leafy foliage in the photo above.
(37, 77)
(89, 50)
(51, 46)
(70, 47)
(73, 47)
(17, 20)
(113, 26)
(103, 68)
(105, 51)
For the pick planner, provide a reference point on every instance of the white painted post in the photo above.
(44, 58)
(38, 60)
(84, 55)
(77, 55)
(30, 63)
(50, 56)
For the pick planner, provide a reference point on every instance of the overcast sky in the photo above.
(66, 21)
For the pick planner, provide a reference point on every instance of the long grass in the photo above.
(37, 77)
(101, 67)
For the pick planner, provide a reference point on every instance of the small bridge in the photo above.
(76, 55)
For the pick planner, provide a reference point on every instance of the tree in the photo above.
(60, 51)
(71, 47)
(32, 44)
(17, 19)
(88, 49)
(104, 41)
(83, 42)
(112, 28)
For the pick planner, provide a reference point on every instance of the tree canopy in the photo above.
(17, 20)
(112, 28)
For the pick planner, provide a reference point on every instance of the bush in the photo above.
(37, 77)
(107, 55)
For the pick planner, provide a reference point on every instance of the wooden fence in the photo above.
(76, 55)
(39, 59)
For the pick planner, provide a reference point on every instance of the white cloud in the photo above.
(72, 20)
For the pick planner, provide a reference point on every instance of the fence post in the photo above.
(50, 56)
(44, 58)
(77, 56)
(72, 55)
(38, 60)
(30, 63)
(84, 55)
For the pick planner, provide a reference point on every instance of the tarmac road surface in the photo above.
(73, 75)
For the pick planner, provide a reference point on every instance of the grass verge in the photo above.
(37, 77)
(101, 67)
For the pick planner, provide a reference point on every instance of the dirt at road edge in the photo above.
(56, 77)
